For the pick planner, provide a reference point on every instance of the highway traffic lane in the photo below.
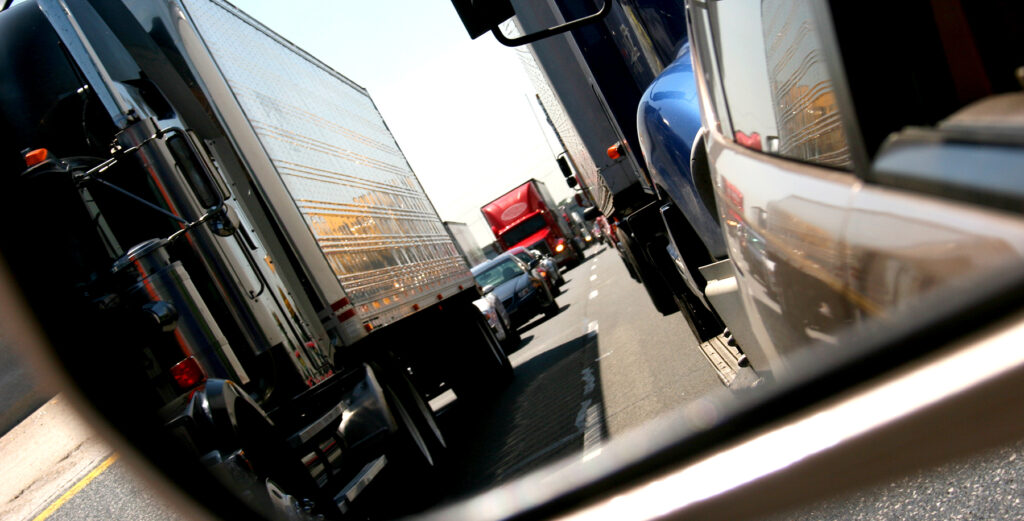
(606, 364)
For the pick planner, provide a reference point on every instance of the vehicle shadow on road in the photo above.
(538, 321)
(594, 253)
(525, 341)
(554, 404)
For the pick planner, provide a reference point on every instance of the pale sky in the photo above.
(461, 110)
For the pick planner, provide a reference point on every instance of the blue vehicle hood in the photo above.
(667, 122)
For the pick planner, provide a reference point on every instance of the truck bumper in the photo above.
(330, 459)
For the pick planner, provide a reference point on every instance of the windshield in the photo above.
(524, 256)
(524, 229)
(499, 274)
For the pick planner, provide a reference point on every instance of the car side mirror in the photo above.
(487, 289)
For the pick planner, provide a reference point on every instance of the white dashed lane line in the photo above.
(593, 277)
(593, 294)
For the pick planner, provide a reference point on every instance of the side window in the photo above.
(778, 92)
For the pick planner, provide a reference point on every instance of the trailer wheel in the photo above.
(418, 453)
(478, 366)
(423, 439)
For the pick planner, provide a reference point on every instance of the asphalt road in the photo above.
(116, 493)
(20, 390)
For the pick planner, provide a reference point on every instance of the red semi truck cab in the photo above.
(527, 216)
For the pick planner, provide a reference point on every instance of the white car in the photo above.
(491, 307)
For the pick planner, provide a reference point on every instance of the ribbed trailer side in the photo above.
(370, 216)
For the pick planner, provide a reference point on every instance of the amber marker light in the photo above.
(616, 151)
(36, 156)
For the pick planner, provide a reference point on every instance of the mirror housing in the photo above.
(480, 16)
(487, 289)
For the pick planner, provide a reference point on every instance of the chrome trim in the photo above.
(360, 482)
(78, 45)
(317, 426)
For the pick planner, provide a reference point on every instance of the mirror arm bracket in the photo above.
(551, 31)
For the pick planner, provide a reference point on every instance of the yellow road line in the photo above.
(93, 474)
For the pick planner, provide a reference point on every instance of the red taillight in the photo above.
(36, 156)
(752, 141)
(187, 374)
(560, 246)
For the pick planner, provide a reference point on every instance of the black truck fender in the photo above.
(219, 412)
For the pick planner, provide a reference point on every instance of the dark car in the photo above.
(523, 295)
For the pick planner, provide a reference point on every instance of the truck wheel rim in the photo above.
(427, 414)
(410, 426)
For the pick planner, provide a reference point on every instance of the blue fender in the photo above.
(668, 120)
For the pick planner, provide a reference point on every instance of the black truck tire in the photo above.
(551, 308)
(478, 366)
(555, 290)
(512, 336)
(702, 320)
(417, 456)
(657, 288)
(627, 255)
(420, 433)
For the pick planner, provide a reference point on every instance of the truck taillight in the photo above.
(187, 374)
(560, 247)
(617, 150)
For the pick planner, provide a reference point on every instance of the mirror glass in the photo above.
(608, 354)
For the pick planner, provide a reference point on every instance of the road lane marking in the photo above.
(513, 470)
(581, 417)
(593, 277)
(589, 382)
(93, 474)
(593, 266)
(592, 327)
(592, 431)
(593, 294)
